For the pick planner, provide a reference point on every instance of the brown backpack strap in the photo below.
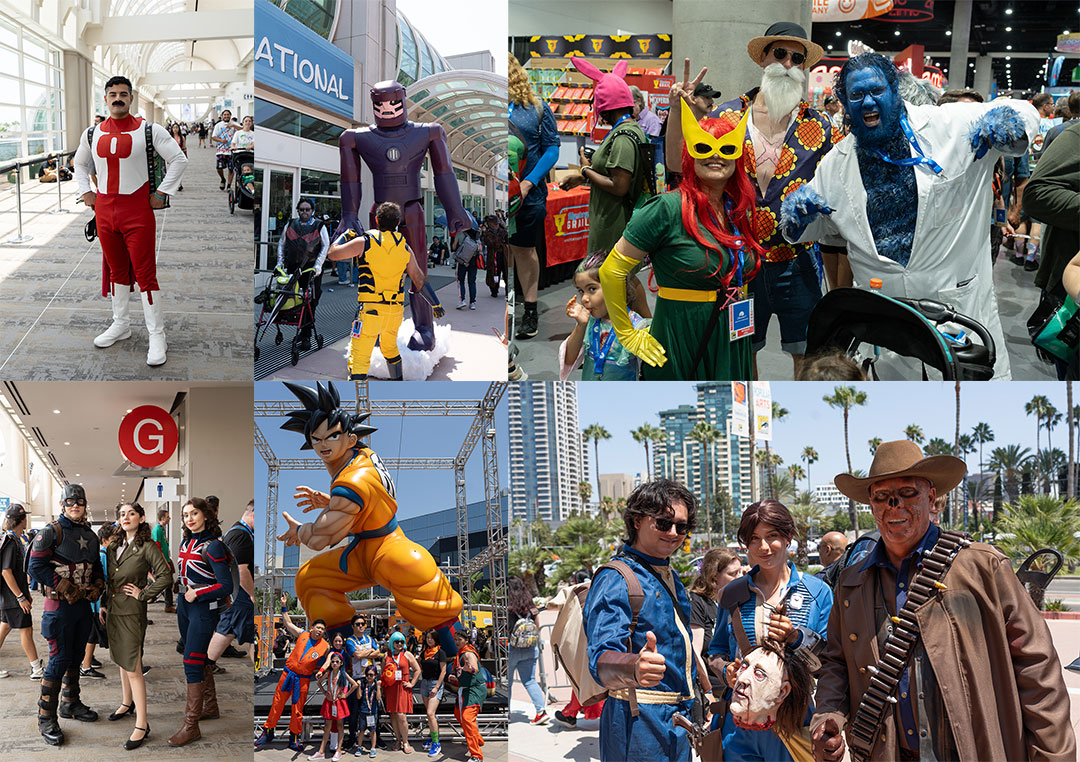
(740, 631)
(636, 596)
(58, 531)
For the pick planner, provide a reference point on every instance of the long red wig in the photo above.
(697, 212)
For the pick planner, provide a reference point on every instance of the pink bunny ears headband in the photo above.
(610, 91)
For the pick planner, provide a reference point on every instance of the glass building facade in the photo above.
(31, 93)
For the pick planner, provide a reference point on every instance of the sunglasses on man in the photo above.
(781, 53)
(664, 526)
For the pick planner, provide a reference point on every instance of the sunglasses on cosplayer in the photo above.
(664, 526)
(781, 53)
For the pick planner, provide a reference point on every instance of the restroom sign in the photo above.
(148, 436)
(160, 489)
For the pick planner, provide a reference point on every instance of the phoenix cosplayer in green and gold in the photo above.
(362, 507)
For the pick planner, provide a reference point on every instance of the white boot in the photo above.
(155, 326)
(121, 324)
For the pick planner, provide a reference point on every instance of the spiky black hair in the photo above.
(323, 404)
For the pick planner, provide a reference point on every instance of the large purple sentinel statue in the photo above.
(394, 150)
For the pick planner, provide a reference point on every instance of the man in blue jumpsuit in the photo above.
(658, 664)
(64, 561)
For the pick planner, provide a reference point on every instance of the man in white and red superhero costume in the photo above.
(394, 150)
(123, 205)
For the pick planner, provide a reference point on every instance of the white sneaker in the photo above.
(155, 326)
(3, 673)
(472, 305)
(315, 756)
(461, 304)
(37, 670)
(120, 328)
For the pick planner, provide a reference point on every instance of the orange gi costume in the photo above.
(470, 698)
(378, 553)
(303, 662)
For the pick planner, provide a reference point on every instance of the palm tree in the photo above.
(810, 455)
(965, 445)
(584, 490)
(938, 446)
(1009, 463)
(579, 530)
(983, 434)
(783, 487)
(1037, 407)
(956, 438)
(1051, 418)
(805, 512)
(915, 434)
(528, 561)
(644, 434)
(796, 472)
(1040, 521)
(706, 435)
(596, 432)
(607, 505)
(874, 444)
(778, 414)
(1046, 466)
(1070, 485)
(845, 398)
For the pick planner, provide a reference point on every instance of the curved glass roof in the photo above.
(316, 15)
(417, 58)
(471, 110)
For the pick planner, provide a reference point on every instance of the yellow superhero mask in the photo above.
(702, 145)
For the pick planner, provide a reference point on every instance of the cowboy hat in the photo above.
(785, 30)
(903, 458)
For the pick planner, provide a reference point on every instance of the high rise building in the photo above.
(681, 458)
(546, 451)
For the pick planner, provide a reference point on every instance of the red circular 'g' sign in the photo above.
(148, 436)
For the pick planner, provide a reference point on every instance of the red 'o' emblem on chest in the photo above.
(114, 145)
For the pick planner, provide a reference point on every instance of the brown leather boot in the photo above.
(209, 705)
(189, 731)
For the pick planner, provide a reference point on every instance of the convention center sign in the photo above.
(148, 436)
(294, 60)
(601, 46)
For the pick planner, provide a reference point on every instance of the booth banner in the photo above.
(293, 59)
(740, 412)
(848, 10)
(762, 411)
(910, 11)
(823, 76)
(601, 46)
(566, 229)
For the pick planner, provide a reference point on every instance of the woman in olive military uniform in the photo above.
(128, 561)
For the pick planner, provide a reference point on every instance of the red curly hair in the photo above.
(697, 211)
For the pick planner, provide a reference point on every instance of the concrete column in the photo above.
(218, 446)
(81, 101)
(984, 74)
(958, 51)
(715, 35)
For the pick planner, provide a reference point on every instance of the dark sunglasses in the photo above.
(664, 526)
(781, 53)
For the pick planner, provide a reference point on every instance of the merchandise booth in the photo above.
(912, 58)
(568, 94)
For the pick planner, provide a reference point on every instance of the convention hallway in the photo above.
(50, 287)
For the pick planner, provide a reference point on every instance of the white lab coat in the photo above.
(950, 254)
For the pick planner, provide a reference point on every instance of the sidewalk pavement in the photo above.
(553, 741)
(494, 751)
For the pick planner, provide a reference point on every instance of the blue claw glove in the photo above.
(999, 128)
(429, 296)
(799, 209)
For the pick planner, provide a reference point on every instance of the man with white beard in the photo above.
(785, 140)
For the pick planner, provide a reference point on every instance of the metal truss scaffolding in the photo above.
(481, 431)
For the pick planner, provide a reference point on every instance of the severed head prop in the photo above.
(388, 100)
(772, 686)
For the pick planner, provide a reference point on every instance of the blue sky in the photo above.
(890, 407)
(418, 492)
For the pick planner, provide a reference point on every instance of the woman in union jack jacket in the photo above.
(207, 583)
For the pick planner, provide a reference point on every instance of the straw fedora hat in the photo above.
(785, 30)
(903, 458)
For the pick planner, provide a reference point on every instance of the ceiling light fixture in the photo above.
(1008, 11)
(1008, 47)
(948, 33)
(67, 443)
(897, 33)
(57, 412)
(1008, 29)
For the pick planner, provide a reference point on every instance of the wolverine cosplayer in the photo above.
(361, 506)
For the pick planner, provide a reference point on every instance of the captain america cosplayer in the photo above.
(394, 150)
(64, 560)
(652, 676)
(206, 583)
(361, 507)
(383, 259)
(116, 152)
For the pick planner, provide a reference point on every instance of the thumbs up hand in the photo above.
(651, 663)
(828, 742)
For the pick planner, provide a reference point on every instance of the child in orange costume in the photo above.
(361, 506)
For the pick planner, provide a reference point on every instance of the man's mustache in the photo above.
(118, 103)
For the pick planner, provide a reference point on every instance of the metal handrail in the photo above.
(17, 165)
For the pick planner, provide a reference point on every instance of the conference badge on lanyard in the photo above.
(740, 313)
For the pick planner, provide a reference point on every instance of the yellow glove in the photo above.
(637, 341)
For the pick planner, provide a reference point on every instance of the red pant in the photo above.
(467, 718)
(126, 228)
(296, 721)
(592, 712)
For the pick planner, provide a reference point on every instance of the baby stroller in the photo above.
(848, 317)
(239, 194)
(287, 300)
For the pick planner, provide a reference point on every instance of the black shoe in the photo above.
(219, 670)
(78, 711)
(233, 652)
(304, 344)
(264, 738)
(1031, 265)
(91, 673)
(96, 664)
(180, 647)
(1018, 261)
(130, 745)
(50, 731)
(562, 719)
(222, 187)
(358, 377)
(146, 668)
(117, 715)
(529, 326)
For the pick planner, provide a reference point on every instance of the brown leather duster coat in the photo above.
(991, 652)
